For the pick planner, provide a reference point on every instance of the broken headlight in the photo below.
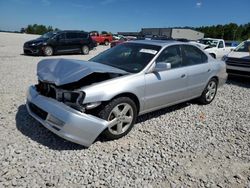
(73, 99)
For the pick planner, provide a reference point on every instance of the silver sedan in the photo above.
(80, 100)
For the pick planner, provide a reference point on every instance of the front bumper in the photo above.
(238, 70)
(32, 50)
(63, 120)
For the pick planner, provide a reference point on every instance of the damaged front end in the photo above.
(63, 80)
(57, 101)
(73, 99)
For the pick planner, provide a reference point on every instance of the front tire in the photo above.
(85, 50)
(121, 114)
(209, 92)
(48, 51)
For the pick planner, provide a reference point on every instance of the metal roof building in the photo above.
(175, 33)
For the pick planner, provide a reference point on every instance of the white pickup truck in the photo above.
(215, 47)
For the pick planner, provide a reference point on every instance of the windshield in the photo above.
(243, 47)
(48, 35)
(209, 42)
(130, 57)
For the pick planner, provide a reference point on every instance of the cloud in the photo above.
(105, 2)
(198, 4)
(82, 6)
(46, 2)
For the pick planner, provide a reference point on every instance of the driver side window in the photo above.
(221, 45)
(171, 55)
(61, 36)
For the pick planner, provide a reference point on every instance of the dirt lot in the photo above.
(186, 145)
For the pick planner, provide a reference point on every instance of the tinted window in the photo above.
(193, 55)
(48, 35)
(131, 57)
(72, 35)
(61, 36)
(171, 55)
(83, 35)
(221, 45)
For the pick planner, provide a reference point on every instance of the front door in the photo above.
(169, 86)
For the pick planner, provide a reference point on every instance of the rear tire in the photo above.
(106, 42)
(209, 92)
(48, 51)
(85, 50)
(121, 113)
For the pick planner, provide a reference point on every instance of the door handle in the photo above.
(183, 75)
(208, 70)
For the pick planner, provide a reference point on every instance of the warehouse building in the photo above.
(175, 33)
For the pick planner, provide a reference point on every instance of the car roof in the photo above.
(69, 31)
(161, 43)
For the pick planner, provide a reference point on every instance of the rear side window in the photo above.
(193, 55)
(71, 35)
(83, 35)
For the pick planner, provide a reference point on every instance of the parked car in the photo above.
(117, 37)
(79, 100)
(116, 42)
(121, 40)
(238, 60)
(60, 42)
(231, 43)
(101, 38)
(215, 47)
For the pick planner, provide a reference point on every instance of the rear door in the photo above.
(169, 86)
(198, 69)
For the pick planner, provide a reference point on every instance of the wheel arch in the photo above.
(213, 54)
(215, 77)
(132, 97)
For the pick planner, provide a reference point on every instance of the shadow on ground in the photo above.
(164, 111)
(239, 81)
(35, 131)
(55, 55)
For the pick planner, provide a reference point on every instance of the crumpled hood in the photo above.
(64, 71)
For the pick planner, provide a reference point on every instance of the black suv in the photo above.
(60, 42)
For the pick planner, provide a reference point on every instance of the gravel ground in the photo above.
(187, 145)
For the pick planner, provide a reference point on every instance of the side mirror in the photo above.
(162, 66)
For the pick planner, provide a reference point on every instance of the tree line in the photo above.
(231, 31)
(38, 29)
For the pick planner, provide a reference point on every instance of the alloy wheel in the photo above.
(120, 118)
(211, 91)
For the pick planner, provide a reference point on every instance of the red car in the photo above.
(101, 38)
